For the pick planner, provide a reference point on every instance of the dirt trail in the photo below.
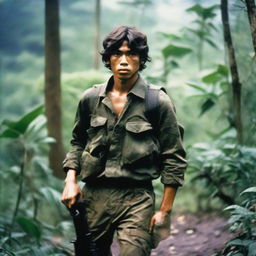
(192, 236)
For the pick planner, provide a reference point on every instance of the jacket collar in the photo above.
(139, 88)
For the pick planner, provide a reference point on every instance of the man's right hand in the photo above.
(72, 191)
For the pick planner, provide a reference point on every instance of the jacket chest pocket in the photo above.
(140, 145)
(93, 158)
(97, 136)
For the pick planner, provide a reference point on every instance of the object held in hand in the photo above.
(84, 244)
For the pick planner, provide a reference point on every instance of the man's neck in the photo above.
(124, 85)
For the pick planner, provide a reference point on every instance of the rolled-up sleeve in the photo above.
(172, 153)
(79, 137)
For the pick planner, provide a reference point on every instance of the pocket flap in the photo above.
(138, 126)
(98, 121)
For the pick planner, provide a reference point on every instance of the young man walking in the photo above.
(118, 149)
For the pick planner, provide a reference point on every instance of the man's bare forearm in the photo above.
(72, 191)
(168, 198)
(165, 208)
(71, 176)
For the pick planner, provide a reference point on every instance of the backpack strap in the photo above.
(94, 98)
(152, 104)
(152, 107)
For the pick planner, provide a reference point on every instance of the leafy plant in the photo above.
(214, 85)
(174, 50)
(22, 229)
(205, 27)
(223, 167)
(243, 223)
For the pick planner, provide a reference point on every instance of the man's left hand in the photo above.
(157, 220)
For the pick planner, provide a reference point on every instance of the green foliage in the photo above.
(175, 51)
(223, 167)
(16, 129)
(243, 223)
(204, 28)
(204, 12)
(30, 226)
(214, 86)
(22, 227)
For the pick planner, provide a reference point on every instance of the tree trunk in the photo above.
(96, 64)
(251, 10)
(236, 85)
(53, 85)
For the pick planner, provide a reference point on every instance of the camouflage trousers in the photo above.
(124, 209)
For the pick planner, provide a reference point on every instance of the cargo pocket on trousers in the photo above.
(140, 238)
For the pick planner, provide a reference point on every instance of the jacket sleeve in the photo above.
(172, 153)
(79, 137)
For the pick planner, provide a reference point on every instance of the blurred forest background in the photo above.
(202, 56)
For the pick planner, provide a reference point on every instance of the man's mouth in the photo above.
(123, 70)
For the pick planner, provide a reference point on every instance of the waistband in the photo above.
(120, 183)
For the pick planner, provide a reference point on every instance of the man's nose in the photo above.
(123, 60)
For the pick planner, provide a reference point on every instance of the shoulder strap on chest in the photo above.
(152, 104)
(94, 98)
(152, 107)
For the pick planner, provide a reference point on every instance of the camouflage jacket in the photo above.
(104, 145)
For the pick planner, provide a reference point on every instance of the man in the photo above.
(118, 151)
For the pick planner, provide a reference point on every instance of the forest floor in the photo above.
(192, 236)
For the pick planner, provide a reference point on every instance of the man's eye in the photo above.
(116, 53)
(132, 54)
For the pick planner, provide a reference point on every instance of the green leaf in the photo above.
(170, 36)
(252, 249)
(199, 33)
(222, 69)
(249, 190)
(211, 43)
(197, 87)
(224, 85)
(212, 78)
(240, 242)
(211, 25)
(207, 105)
(6, 252)
(204, 13)
(175, 51)
(174, 64)
(236, 209)
(30, 226)
(15, 129)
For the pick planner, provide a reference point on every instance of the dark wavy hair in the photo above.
(137, 42)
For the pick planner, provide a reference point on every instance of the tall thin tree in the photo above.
(96, 64)
(251, 10)
(53, 84)
(236, 84)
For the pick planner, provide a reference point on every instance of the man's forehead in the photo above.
(124, 46)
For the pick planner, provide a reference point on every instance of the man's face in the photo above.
(124, 63)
